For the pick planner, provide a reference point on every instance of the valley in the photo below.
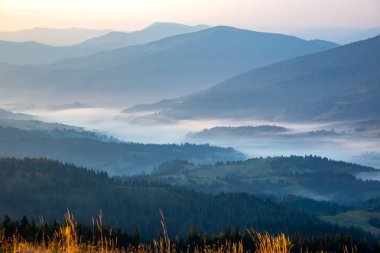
(189, 126)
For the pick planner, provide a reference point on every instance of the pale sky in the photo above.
(127, 15)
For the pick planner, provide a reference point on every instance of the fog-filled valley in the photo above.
(355, 141)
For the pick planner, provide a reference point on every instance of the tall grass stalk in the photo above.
(66, 240)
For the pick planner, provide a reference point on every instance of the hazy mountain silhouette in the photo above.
(364, 34)
(27, 51)
(170, 67)
(341, 83)
(72, 145)
(7, 115)
(339, 35)
(30, 52)
(155, 31)
(51, 36)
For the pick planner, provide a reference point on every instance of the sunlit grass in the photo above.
(67, 240)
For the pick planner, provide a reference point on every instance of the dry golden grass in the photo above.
(66, 240)
(270, 244)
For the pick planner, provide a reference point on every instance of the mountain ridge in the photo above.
(22, 52)
(52, 36)
(176, 65)
(153, 32)
(292, 89)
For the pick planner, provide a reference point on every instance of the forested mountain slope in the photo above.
(52, 188)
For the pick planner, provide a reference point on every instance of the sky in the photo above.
(128, 15)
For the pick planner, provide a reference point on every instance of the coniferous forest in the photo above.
(130, 207)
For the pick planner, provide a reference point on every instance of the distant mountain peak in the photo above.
(163, 23)
(153, 32)
(159, 24)
(53, 36)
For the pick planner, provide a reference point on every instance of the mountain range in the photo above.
(53, 37)
(337, 84)
(155, 31)
(339, 35)
(170, 67)
(30, 50)
(261, 93)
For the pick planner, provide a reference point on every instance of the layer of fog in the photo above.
(109, 121)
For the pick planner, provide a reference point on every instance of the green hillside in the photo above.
(356, 218)
(313, 177)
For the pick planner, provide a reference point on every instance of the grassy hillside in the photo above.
(313, 177)
(356, 218)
